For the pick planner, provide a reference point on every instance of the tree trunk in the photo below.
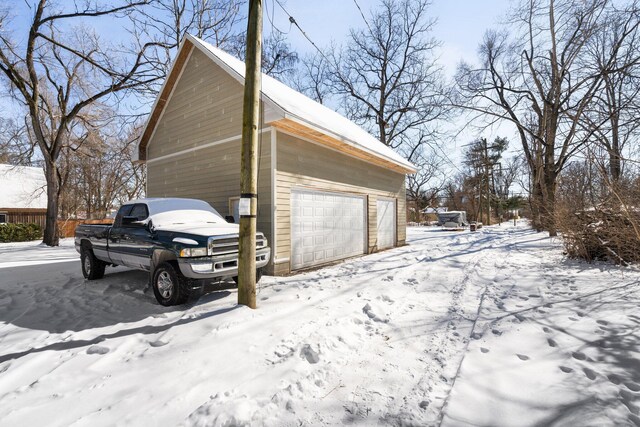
(549, 205)
(51, 237)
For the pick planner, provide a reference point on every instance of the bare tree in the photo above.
(312, 78)
(615, 112)
(63, 78)
(101, 174)
(278, 59)
(424, 187)
(536, 80)
(169, 21)
(15, 147)
(387, 76)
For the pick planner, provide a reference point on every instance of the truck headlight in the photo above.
(193, 252)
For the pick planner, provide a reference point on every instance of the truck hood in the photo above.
(202, 229)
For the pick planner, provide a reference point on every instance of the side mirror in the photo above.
(129, 220)
(230, 219)
(133, 221)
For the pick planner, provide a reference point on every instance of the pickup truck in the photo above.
(181, 243)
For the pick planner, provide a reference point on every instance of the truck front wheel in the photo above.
(92, 267)
(169, 286)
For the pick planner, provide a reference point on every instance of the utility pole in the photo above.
(249, 160)
(486, 175)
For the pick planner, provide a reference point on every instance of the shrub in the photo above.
(19, 232)
(603, 234)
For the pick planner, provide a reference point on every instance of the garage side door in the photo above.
(325, 227)
(386, 223)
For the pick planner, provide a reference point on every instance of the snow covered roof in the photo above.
(290, 104)
(22, 187)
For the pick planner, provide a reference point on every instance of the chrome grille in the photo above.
(222, 245)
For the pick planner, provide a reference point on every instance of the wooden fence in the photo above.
(67, 227)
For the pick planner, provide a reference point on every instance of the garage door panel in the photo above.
(332, 227)
(386, 226)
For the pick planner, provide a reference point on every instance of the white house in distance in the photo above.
(327, 189)
(23, 195)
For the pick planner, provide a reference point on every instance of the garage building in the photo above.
(327, 190)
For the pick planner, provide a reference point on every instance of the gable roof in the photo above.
(23, 187)
(289, 108)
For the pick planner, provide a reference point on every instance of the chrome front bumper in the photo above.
(220, 266)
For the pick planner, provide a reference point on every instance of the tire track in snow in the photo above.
(474, 322)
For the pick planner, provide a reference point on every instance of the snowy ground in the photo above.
(490, 328)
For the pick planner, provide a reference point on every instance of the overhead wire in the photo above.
(363, 17)
(294, 22)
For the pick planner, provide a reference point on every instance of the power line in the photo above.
(271, 19)
(363, 17)
(294, 22)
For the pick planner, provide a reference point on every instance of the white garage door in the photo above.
(386, 223)
(325, 227)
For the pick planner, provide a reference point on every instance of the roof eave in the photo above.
(407, 167)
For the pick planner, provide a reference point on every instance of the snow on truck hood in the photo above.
(202, 229)
(193, 221)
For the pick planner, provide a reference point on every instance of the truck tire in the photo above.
(169, 285)
(92, 267)
(258, 276)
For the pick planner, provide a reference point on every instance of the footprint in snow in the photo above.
(308, 353)
(158, 343)
(385, 298)
(522, 356)
(476, 335)
(97, 349)
(589, 373)
(484, 350)
(579, 355)
(373, 316)
(546, 330)
(633, 386)
(566, 369)
(552, 343)
(496, 332)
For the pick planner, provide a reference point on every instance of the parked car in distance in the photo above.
(181, 243)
